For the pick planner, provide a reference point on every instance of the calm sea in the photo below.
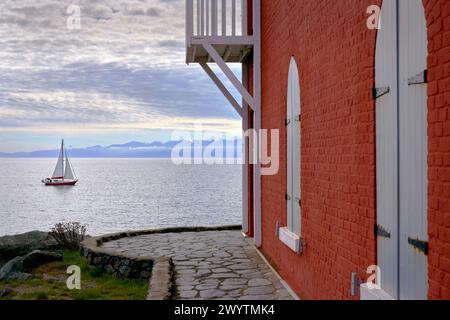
(119, 194)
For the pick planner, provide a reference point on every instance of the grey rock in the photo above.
(21, 244)
(256, 297)
(224, 275)
(211, 294)
(221, 270)
(185, 288)
(23, 276)
(37, 257)
(259, 282)
(230, 287)
(124, 271)
(13, 266)
(254, 275)
(202, 272)
(48, 277)
(206, 286)
(186, 271)
(241, 266)
(19, 267)
(145, 274)
(258, 290)
(188, 294)
(234, 282)
(5, 293)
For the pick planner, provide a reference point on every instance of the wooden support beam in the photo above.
(219, 40)
(227, 53)
(224, 18)
(230, 75)
(222, 88)
(257, 119)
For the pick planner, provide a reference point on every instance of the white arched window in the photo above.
(290, 235)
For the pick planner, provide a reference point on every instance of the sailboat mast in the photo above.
(62, 153)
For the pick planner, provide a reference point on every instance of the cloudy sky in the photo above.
(120, 77)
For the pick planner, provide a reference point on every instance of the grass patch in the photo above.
(50, 283)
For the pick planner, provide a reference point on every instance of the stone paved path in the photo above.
(210, 265)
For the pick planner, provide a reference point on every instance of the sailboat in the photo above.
(63, 174)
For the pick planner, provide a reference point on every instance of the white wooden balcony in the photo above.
(220, 23)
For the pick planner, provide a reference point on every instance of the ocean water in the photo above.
(119, 194)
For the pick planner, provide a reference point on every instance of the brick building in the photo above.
(363, 116)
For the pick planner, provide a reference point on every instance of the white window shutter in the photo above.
(289, 143)
(296, 152)
(293, 122)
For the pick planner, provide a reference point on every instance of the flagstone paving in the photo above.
(209, 265)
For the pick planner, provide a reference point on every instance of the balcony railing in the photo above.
(215, 18)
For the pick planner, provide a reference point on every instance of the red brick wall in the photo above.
(335, 54)
(438, 21)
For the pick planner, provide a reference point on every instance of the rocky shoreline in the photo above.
(20, 253)
(21, 244)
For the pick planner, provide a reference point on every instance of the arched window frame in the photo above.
(291, 234)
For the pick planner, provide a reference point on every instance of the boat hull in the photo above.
(61, 183)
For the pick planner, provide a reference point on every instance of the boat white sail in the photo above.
(59, 170)
(63, 174)
(68, 173)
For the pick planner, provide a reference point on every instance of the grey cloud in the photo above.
(122, 56)
(171, 43)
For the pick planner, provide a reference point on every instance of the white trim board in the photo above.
(373, 294)
(290, 239)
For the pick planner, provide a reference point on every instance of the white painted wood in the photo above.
(222, 88)
(244, 27)
(233, 17)
(290, 239)
(386, 148)
(374, 294)
(202, 25)
(413, 149)
(207, 17)
(296, 148)
(227, 53)
(207, 22)
(289, 145)
(189, 22)
(293, 149)
(229, 40)
(229, 74)
(202, 17)
(402, 149)
(199, 17)
(245, 155)
(257, 117)
(224, 18)
(214, 17)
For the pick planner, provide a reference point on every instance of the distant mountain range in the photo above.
(133, 149)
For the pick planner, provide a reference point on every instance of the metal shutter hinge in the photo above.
(420, 245)
(379, 92)
(419, 78)
(381, 232)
